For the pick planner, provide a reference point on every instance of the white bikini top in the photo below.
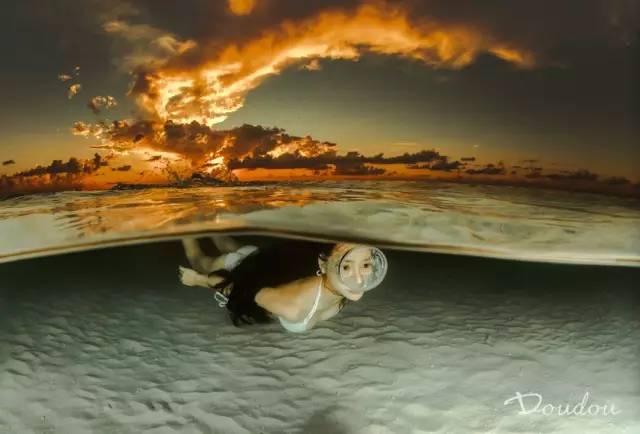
(299, 327)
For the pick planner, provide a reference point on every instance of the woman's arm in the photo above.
(283, 301)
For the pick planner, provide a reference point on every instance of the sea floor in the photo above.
(109, 341)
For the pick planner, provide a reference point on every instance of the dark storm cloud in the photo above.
(468, 159)
(8, 162)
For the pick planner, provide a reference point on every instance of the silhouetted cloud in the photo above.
(57, 176)
(8, 162)
(578, 175)
(446, 166)
(489, 169)
(616, 180)
(353, 168)
(535, 172)
(350, 162)
(73, 166)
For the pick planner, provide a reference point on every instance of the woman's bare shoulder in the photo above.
(287, 300)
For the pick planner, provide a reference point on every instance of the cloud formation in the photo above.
(72, 167)
(577, 175)
(489, 169)
(145, 46)
(200, 144)
(96, 103)
(241, 7)
(352, 163)
(187, 80)
(73, 90)
(57, 176)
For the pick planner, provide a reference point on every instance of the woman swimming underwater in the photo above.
(300, 283)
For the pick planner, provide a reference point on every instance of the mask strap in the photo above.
(221, 299)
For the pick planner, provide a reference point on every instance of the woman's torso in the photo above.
(315, 301)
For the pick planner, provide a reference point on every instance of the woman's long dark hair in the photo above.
(271, 266)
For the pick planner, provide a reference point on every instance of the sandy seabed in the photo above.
(110, 342)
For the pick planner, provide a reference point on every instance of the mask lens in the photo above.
(363, 268)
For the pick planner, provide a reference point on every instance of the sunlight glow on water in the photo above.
(493, 221)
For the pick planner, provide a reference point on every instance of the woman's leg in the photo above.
(225, 243)
(200, 262)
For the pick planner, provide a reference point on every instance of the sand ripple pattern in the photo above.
(437, 348)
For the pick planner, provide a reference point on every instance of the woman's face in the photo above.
(352, 270)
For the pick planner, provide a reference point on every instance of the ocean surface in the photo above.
(489, 221)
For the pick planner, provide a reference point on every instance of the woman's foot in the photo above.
(191, 277)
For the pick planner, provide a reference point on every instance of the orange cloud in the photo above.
(241, 7)
(73, 90)
(216, 86)
(98, 102)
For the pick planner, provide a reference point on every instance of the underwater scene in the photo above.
(333, 216)
(452, 340)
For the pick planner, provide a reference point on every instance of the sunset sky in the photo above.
(533, 89)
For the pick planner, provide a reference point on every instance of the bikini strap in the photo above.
(315, 304)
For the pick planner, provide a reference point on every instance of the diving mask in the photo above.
(361, 268)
